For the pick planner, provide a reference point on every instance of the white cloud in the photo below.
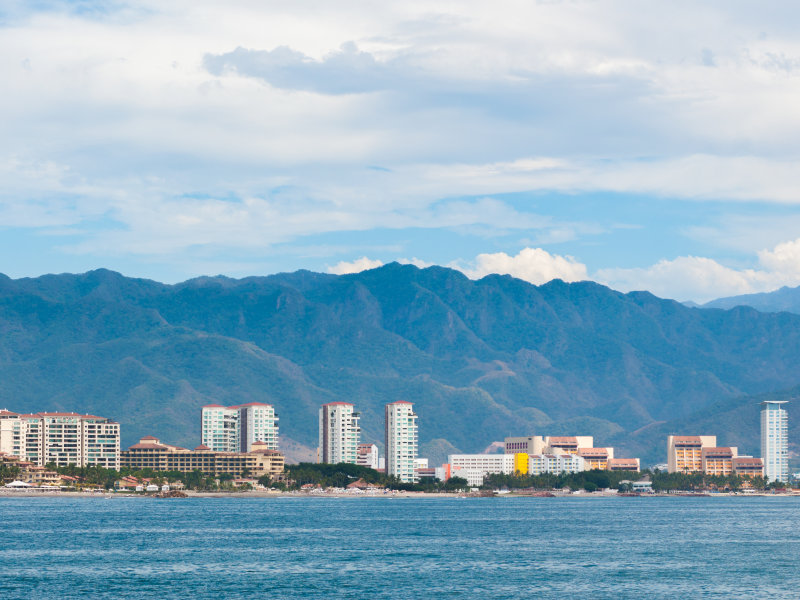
(534, 265)
(703, 279)
(783, 259)
(417, 262)
(129, 136)
(686, 278)
(356, 266)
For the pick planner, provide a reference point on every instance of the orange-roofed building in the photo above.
(718, 460)
(685, 452)
(151, 453)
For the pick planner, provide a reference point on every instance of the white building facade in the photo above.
(236, 428)
(475, 467)
(555, 463)
(401, 440)
(339, 433)
(775, 440)
(61, 439)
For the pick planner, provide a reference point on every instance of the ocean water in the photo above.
(399, 548)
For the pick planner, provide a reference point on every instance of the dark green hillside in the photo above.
(481, 359)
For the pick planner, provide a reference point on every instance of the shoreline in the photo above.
(388, 495)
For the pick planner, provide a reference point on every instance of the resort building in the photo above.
(150, 453)
(596, 458)
(339, 433)
(367, 456)
(526, 448)
(775, 440)
(685, 452)
(747, 466)
(537, 444)
(718, 461)
(237, 428)
(477, 466)
(60, 438)
(624, 464)
(555, 463)
(401, 440)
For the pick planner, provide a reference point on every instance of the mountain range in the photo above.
(785, 299)
(481, 360)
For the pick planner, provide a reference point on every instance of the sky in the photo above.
(644, 145)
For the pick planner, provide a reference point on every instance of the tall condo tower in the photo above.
(401, 440)
(774, 440)
(235, 428)
(339, 433)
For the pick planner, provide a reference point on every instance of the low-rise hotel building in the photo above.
(485, 464)
(718, 461)
(150, 453)
(60, 438)
(367, 456)
(685, 452)
(528, 447)
(747, 466)
(555, 463)
(596, 458)
(555, 444)
(624, 464)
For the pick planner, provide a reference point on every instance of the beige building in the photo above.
(685, 452)
(556, 444)
(60, 438)
(596, 458)
(150, 453)
(747, 466)
(718, 461)
(623, 464)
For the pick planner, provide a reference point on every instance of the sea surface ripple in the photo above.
(399, 548)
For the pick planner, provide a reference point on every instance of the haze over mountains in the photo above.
(480, 359)
(784, 299)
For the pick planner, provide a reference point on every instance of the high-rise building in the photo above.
(236, 428)
(774, 440)
(220, 428)
(401, 440)
(339, 433)
(61, 438)
(257, 423)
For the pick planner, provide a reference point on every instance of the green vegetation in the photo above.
(342, 474)
(594, 480)
(8, 473)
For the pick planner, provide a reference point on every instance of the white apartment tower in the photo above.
(60, 438)
(236, 428)
(774, 440)
(339, 433)
(401, 440)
